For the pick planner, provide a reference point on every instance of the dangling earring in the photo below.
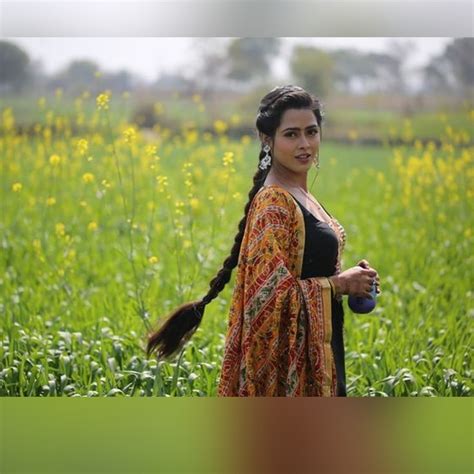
(266, 160)
(316, 161)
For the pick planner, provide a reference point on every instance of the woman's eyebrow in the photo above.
(296, 128)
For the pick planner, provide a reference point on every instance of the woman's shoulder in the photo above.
(273, 195)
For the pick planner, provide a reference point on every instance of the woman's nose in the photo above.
(304, 142)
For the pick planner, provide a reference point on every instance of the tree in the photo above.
(453, 69)
(14, 67)
(120, 81)
(400, 51)
(459, 55)
(250, 58)
(212, 64)
(436, 76)
(313, 68)
(78, 76)
(384, 72)
(350, 69)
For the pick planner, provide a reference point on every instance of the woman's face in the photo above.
(297, 134)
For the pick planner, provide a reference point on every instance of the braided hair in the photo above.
(181, 324)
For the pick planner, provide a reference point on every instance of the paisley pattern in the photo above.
(278, 341)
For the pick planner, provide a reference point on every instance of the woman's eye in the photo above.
(313, 132)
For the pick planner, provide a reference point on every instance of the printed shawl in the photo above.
(278, 341)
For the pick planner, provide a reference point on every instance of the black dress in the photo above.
(320, 260)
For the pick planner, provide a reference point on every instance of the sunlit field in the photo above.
(107, 230)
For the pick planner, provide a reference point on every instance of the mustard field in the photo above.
(106, 228)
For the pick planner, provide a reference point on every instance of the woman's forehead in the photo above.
(297, 118)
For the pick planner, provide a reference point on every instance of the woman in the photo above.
(285, 334)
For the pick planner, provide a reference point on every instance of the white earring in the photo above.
(266, 160)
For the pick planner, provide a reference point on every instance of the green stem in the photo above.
(140, 308)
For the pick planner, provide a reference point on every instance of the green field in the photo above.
(104, 232)
(367, 120)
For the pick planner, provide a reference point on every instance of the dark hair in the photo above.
(183, 322)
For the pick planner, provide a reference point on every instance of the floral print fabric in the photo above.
(278, 341)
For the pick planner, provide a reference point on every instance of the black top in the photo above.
(319, 260)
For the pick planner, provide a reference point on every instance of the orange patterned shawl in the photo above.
(278, 340)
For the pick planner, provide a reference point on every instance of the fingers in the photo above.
(370, 272)
(373, 275)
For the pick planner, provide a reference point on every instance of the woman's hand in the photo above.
(365, 264)
(356, 281)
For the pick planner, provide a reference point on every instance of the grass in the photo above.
(83, 278)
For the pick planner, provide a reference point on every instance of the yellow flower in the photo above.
(8, 119)
(158, 108)
(220, 126)
(194, 202)
(192, 136)
(17, 187)
(352, 134)
(51, 201)
(82, 146)
(87, 177)
(152, 260)
(60, 229)
(150, 150)
(187, 243)
(130, 135)
(70, 256)
(245, 140)
(92, 226)
(228, 158)
(179, 208)
(102, 100)
(162, 183)
(41, 102)
(54, 160)
(83, 204)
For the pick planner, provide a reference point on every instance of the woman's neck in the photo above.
(286, 180)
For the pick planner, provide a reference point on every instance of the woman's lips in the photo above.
(307, 158)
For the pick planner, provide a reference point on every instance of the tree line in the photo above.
(245, 63)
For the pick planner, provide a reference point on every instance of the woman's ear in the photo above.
(265, 139)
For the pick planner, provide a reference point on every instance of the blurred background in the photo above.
(364, 83)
